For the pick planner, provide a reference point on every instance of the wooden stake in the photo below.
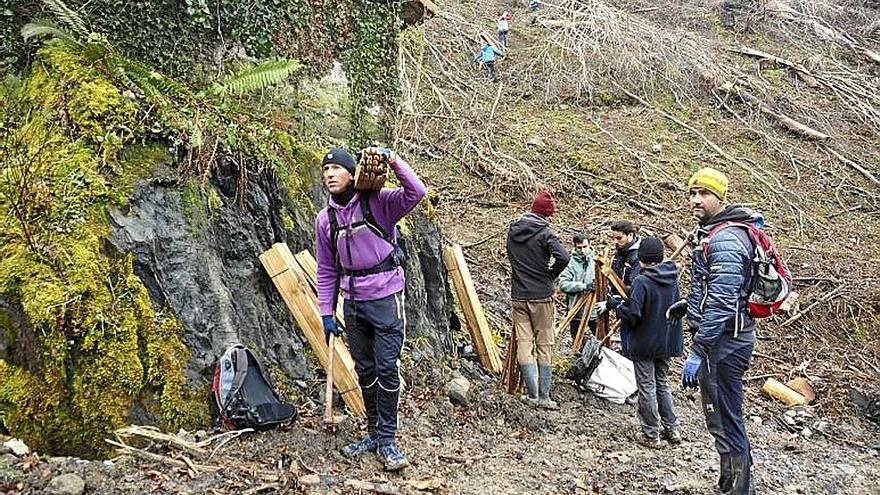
(585, 323)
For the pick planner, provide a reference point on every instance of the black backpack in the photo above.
(585, 363)
(244, 395)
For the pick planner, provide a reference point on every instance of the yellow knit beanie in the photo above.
(713, 180)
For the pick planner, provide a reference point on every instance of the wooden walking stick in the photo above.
(330, 420)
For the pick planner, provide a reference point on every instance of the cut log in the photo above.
(780, 118)
(414, 12)
(802, 387)
(779, 391)
(293, 285)
(475, 318)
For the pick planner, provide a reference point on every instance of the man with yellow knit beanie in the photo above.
(723, 331)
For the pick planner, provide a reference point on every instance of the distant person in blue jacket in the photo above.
(653, 340)
(488, 54)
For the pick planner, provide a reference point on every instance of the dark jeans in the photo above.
(502, 39)
(376, 330)
(721, 389)
(490, 69)
(655, 397)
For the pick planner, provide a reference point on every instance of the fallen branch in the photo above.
(801, 71)
(154, 433)
(782, 119)
(825, 298)
(853, 165)
(149, 456)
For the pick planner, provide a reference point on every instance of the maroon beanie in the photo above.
(543, 204)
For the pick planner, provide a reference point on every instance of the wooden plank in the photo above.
(309, 267)
(601, 284)
(511, 378)
(582, 329)
(292, 283)
(475, 318)
(578, 305)
(613, 278)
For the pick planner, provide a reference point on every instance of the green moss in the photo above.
(100, 342)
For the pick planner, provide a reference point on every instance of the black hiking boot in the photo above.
(392, 458)
(366, 444)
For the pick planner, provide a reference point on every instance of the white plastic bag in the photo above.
(614, 378)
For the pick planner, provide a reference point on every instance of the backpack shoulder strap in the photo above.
(749, 229)
(370, 220)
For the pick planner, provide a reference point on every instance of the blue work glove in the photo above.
(614, 301)
(330, 326)
(691, 370)
(677, 310)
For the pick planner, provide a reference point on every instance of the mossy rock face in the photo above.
(98, 341)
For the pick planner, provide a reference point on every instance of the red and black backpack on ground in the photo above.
(770, 278)
(243, 394)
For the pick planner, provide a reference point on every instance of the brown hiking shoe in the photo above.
(651, 443)
(672, 436)
(548, 404)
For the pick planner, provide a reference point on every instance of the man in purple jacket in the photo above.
(357, 252)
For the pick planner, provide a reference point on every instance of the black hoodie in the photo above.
(651, 336)
(536, 258)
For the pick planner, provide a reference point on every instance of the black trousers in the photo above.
(376, 331)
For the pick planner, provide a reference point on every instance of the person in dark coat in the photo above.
(536, 259)
(653, 340)
(625, 264)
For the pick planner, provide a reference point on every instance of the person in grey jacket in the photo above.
(724, 331)
(577, 279)
(536, 259)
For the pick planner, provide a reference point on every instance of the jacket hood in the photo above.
(527, 226)
(634, 245)
(737, 213)
(663, 274)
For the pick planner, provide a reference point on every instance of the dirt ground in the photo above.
(495, 444)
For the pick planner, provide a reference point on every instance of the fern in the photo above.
(38, 29)
(255, 78)
(68, 17)
(153, 84)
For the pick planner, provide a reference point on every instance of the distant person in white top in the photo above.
(503, 24)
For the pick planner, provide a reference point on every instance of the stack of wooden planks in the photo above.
(295, 278)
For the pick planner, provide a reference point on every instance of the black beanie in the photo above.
(651, 250)
(340, 157)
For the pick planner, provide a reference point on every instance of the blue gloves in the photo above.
(677, 310)
(614, 301)
(330, 326)
(691, 370)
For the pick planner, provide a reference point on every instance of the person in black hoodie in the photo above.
(536, 259)
(652, 340)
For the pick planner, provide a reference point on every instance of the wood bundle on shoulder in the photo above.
(371, 172)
